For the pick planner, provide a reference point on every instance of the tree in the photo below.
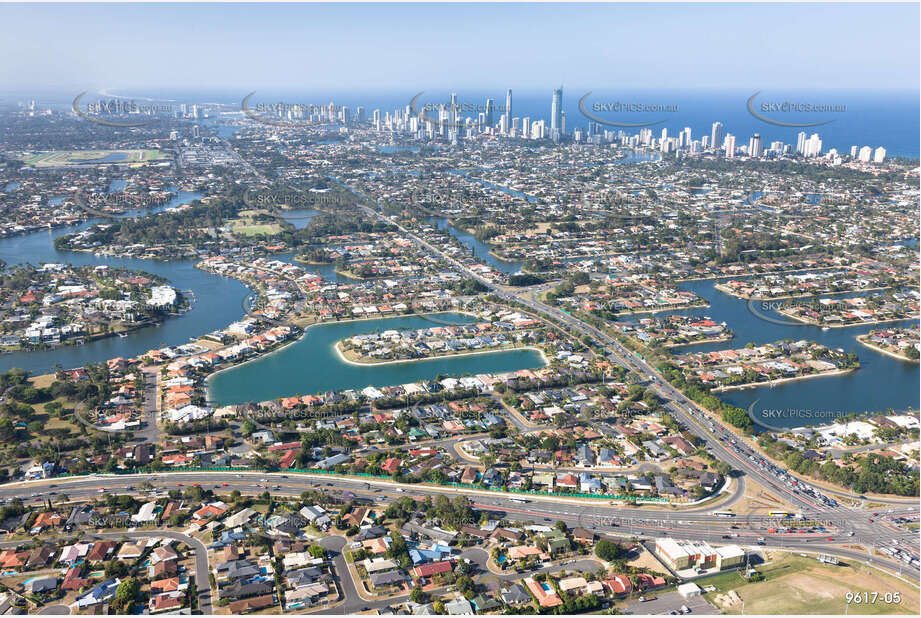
(418, 595)
(317, 551)
(609, 551)
(126, 594)
(116, 568)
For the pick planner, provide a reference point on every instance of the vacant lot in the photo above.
(797, 585)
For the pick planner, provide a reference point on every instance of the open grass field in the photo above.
(62, 158)
(246, 224)
(797, 585)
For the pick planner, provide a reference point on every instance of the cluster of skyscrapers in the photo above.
(454, 119)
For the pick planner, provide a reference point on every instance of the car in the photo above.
(102, 490)
(831, 538)
(223, 484)
(178, 484)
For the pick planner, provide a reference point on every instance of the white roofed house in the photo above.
(188, 413)
(146, 514)
(162, 297)
(317, 516)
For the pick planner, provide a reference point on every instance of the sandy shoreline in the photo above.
(309, 326)
(729, 292)
(700, 342)
(723, 389)
(861, 340)
(870, 323)
(342, 357)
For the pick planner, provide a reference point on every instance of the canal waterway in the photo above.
(882, 382)
(311, 364)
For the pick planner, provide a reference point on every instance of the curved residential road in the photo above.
(202, 571)
(202, 579)
(722, 443)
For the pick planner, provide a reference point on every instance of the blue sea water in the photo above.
(869, 118)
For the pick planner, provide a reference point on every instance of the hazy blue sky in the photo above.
(374, 47)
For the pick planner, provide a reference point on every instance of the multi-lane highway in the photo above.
(721, 442)
(599, 515)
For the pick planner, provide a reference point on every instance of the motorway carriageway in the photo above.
(628, 520)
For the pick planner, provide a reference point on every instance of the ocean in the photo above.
(864, 118)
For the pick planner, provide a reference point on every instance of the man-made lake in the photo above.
(217, 300)
(306, 367)
(881, 383)
(311, 364)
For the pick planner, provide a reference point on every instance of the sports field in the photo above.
(62, 158)
(797, 585)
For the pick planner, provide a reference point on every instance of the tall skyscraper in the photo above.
(813, 146)
(490, 111)
(716, 135)
(730, 144)
(556, 110)
(755, 148)
(879, 155)
(801, 142)
(508, 109)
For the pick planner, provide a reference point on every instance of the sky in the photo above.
(363, 47)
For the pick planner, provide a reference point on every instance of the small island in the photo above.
(64, 304)
(900, 343)
(508, 331)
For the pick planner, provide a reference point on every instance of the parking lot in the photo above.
(670, 601)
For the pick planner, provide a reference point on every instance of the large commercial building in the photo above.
(716, 135)
(730, 145)
(682, 555)
(556, 109)
(755, 148)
